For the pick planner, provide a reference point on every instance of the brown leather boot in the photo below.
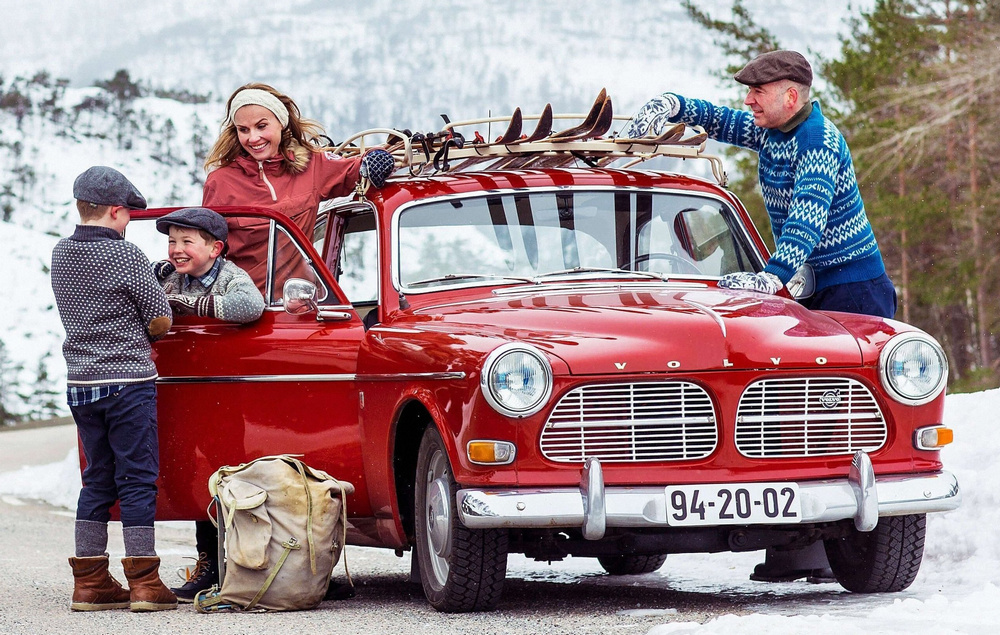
(94, 589)
(148, 591)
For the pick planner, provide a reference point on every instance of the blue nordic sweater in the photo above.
(808, 183)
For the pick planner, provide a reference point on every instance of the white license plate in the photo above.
(733, 504)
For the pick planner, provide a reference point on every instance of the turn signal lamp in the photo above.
(933, 438)
(491, 452)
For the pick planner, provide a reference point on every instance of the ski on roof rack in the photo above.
(449, 150)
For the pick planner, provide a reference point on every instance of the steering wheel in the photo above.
(680, 265)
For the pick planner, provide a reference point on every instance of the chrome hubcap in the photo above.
(438, 516)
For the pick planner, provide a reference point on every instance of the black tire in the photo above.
(884, 560)
(461, 569)
(631, 565)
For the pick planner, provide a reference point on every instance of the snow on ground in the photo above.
(956, 591)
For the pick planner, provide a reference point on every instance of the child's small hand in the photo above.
(162, 269)
(182, 304)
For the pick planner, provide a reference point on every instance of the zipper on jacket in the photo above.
(260, 165)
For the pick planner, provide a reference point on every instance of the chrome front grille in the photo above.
(648, 421)
(803, 417)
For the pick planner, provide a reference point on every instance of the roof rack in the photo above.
(451, 150)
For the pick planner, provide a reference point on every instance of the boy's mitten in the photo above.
(162, 269)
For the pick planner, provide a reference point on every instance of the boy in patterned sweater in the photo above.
(200, 281)
(807, 178)
(197, 278)
(112, 309)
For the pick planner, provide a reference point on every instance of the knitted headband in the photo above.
(258, 97)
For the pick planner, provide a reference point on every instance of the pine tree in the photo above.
(9, 372)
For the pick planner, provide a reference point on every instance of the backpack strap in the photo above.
(289, 545)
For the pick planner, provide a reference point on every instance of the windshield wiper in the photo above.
(466, 276)
(601, 270)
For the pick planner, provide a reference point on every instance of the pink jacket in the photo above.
(246, 181)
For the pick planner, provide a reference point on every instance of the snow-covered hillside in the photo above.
(349, 65)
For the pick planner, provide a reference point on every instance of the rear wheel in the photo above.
(883, 560)
(631, 565)
(461, 569)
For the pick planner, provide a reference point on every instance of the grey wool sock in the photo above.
(139, 541)
(91, 538)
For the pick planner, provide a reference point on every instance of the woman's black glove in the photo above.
(376, 166)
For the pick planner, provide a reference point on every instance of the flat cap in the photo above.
(195, 218)
(102, 185)
(770, 67)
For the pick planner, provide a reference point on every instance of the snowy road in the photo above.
(955, 592)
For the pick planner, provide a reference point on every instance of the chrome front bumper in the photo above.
(593, 508)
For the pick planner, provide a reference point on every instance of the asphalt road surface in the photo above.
(570, 597)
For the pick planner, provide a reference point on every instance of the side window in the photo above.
(356, 261)
(288, 261)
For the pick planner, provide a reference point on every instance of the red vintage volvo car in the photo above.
(520, 346)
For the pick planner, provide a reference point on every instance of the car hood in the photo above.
(640, 328)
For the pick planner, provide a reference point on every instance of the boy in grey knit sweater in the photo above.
(112, 309)
(200, 281)
(197, 278)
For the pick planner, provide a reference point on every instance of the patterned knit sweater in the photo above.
(107, 297)
(232, 297)
(808, 183)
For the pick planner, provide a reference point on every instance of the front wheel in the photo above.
(884, 560)
(631, 565)
(461, 569)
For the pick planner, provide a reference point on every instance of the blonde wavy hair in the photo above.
(297, 135)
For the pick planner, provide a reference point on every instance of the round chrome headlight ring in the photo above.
(913, 368)
(516, 380)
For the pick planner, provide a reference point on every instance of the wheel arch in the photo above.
(412, 421)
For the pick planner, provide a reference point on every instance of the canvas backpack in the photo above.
(283, 525)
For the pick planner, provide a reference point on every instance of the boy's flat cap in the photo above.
(102, 185)
(776, 65)
(195, 218)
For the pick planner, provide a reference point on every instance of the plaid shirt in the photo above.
(206, 280)
(83, 395)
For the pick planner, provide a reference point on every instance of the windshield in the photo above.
(516, 237)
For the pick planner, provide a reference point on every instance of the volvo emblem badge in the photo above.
(830, 399)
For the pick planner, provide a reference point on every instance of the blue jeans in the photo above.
(118, 435)
(870, 297)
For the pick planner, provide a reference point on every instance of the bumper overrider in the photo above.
(593, 508)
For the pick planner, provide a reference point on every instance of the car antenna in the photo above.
(404, 304)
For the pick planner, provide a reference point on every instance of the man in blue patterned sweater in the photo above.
(817, 217)
(807, 179)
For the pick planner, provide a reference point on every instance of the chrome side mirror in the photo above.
(803, 283)
(299, 296)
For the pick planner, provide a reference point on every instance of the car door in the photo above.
(284, 384)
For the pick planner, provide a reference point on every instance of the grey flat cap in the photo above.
(102, 185)
(195, 218)
(776, 65)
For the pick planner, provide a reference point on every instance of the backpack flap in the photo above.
(248, 525)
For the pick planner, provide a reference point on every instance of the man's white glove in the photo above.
(763, 282)
(653, 118)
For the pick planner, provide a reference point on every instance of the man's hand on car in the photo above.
(763, 282)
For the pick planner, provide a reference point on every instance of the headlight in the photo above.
(914, 368)
(516, 380)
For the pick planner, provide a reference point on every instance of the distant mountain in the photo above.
(349, 65)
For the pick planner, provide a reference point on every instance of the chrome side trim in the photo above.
(236, 379)
(822, 501)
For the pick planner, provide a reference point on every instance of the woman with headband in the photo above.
(264, 157)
